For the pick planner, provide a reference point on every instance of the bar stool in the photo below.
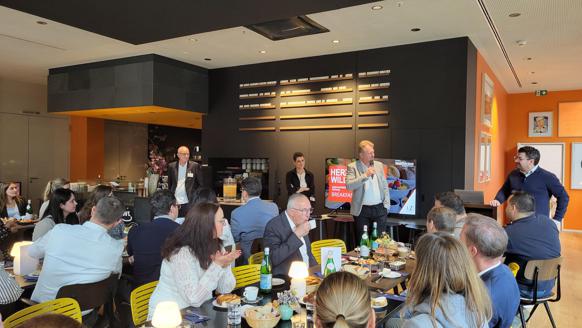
(344, 227)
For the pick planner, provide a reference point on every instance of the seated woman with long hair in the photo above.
(61, 209)
(194, 261)
(51, 186)
(343, 301)
(11, 204)
(445, 289)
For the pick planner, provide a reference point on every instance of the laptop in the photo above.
(471, 196)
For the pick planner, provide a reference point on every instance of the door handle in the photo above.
(32, 178)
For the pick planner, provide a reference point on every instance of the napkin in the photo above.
(193, 317)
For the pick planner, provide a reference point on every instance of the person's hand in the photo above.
(302, 229)
(302, 189)
(10, 223)
(371, 171)
(224, 259)
(494, 203)
(131, 260)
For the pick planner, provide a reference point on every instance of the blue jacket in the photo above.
(504, 295)
(144, 243)
(248, 222)
(542, 185)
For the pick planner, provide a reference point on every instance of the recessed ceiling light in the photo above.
(532, 72)
(193, 39)
(41, 22)
(208, 59)
(335, 41)
(528, 58)
(263, 51)
(521, 43)
(512, 15)
(185, 52)
(534, 83)
(416, 29)
(377, 7)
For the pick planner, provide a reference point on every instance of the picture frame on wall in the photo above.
(487, 96)
(576, 171)
(484, 157)
(540, 124)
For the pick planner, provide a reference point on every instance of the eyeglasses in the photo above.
(516, 157)
(306, 211)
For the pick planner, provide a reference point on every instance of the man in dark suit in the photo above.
(144, 242)
(286, 235)
(486, 241)
(183, 179)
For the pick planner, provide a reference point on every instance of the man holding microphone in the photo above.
(370, 193)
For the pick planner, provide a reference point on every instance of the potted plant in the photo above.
(156, 166)
(287, 301)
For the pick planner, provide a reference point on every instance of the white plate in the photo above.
(392, 275)
(277, 281)
(215, 303)
(257, 300)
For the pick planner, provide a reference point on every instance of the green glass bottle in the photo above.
(266, 284)
(329, 265)
(365, 244)
(29, 207)
(374, 236)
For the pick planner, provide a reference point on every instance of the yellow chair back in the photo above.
(514, 267)
(256, 258)
(317, 245)
(140, 301)
(65, 306)
(247, 274)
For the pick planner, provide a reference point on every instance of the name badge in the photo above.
(190, 175)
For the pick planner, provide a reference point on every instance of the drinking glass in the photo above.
(233, 314)
(404, 251)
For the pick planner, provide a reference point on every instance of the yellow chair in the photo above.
(140, 301)
(256, 258)
(514, 267)
(247, 274)
(317, 245)
(65, 306)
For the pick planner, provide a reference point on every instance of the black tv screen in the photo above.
(399, 174)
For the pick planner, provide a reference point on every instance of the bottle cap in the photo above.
(266, 250)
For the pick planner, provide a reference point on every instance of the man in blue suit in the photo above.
(486, 241)
(248, 221)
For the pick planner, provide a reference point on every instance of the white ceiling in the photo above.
(552, 30)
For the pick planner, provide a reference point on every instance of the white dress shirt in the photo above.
(302, 182)
(372, 191)
(74, 254)
(181, 196)
(303, 248)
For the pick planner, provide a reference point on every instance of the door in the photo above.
(14, 149)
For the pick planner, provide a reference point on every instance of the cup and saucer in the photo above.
(251, 295)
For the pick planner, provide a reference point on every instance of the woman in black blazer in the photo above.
(294, 181)
(10, 201)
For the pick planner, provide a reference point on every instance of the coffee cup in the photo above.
(250, 293)
(312, 224)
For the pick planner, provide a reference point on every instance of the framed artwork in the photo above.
(576, 178)
(487, 100)
(484, 157)
(540, 124)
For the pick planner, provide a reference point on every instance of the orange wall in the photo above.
(87, 148)
(497, 131)
(519, 107)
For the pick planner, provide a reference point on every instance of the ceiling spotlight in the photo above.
(528, 58)
(521, 43)
(208, 59)
(263, 51)
(532, 72)
(416, 29)
(185, 52)
(513, 15)
(335, 41)
(377, 7)
(41, 22)
(534, 83)
(193, 39)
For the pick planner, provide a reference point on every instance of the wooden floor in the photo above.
(568, 311)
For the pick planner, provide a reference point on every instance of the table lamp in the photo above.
(298, 272)
(167, 315)
(23, 263)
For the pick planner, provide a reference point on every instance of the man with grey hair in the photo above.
(486, 241)
(248, 221)
(79, 254)
(286, 235)
(441, 219)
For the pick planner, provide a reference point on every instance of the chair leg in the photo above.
(550, 314)
(532, 312)
(521, 316)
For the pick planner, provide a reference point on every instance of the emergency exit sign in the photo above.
(541, 92)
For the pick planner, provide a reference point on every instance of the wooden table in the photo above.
(23, 283)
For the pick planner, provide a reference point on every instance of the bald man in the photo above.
(183, 179)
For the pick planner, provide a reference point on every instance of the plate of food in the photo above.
(222, 300)
(379, 303)
(359, 271)
(262, 316)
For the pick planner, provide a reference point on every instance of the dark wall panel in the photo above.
(427, 104)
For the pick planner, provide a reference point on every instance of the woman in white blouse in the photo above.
(194, 261)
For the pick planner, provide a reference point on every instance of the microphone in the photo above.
(372, 165)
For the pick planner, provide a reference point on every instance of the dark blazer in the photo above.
(21, 209)
(292, 182)
(284, 245)
(192, 182)
(144, 243)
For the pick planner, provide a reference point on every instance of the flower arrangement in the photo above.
(157, 163)
(287, 297)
